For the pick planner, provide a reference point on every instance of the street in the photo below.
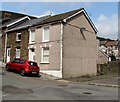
(16, 87)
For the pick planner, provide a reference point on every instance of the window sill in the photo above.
(18, 41)
(31, 42)
(44, 62)
(45, 41)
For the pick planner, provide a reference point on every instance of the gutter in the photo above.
(23, 27)
(45, 24)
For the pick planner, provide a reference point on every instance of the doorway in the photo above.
(8, 54)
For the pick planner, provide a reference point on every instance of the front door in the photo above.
(31, 54)
(8, 54)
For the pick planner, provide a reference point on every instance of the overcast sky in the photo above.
(103, 14)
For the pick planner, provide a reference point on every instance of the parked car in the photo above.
(23, 66)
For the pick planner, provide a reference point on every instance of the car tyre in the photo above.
(7, 68)
(22, 73)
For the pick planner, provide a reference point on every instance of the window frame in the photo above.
(30, 38)
(17, 38)
(43, 34)
(19, 52)
(42, 56)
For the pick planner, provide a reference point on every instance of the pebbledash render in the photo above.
(66, 45)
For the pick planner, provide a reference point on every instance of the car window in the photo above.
(16, 61)
(32, 63)
(22, 61)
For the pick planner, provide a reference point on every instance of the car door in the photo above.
(15, 64)
(12, 65)
(21, 65)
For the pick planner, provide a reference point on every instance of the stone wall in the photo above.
(23, 44)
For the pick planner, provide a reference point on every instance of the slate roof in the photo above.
(14, 15)
(50, 19)
(4, 24)
(28, 23)
(59, 17)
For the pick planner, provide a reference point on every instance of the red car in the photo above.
(23, 66)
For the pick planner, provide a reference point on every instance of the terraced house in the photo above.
(63, 45)
(18, 39)
(9, 20)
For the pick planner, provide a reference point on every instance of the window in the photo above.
(17, 52)
(45, 34)
(18, 37)
(32, 36)
(16, 61)
(45, 55)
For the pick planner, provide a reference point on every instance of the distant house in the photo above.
(102, 46)
(110, 48)
(103, 57)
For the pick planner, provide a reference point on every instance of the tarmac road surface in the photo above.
(16, 87)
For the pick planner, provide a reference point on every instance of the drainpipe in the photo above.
(61, 50)
(5, 47)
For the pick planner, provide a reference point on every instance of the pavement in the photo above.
(103, 80)
(109, 82)
(2, 64)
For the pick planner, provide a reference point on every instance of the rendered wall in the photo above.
(79, 54)
(54, 48)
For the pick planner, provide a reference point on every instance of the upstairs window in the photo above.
(46, 34)
(18, 37)
(32, 36)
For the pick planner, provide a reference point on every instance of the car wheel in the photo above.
(22, 73)
(7, 68)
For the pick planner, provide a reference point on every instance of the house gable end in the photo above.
(87, 17)
(19, 20)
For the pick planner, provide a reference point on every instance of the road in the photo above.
(16, 87)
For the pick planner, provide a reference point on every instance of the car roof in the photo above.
(23, 60)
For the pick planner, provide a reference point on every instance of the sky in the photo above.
(103, 14)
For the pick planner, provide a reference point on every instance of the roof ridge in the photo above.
(68, 12)
(61, 16)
